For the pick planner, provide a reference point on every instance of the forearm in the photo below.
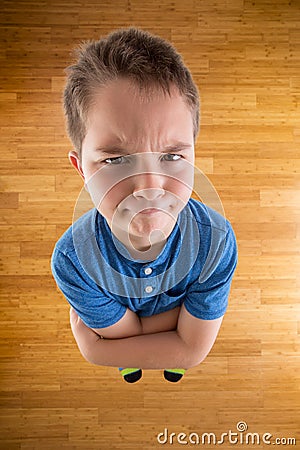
(163, 350)
(166, 321)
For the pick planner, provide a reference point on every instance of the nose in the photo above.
(149, 194)
(148, 186)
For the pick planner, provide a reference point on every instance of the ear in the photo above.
(75, 161)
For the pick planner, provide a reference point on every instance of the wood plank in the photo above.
(244, 56)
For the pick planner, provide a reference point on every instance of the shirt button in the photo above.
(148, 289)
(148, 270)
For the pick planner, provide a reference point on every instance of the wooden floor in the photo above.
(245, 58)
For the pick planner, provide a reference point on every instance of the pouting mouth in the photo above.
(136, 209)
(150, 211)
(146, 208)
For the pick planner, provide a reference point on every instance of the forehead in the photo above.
(122, 111)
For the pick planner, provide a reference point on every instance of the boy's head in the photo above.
(148, 60)
(132, 113)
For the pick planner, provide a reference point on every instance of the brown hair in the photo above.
(148, 60)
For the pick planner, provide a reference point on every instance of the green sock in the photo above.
(131, 375)
(174, 375)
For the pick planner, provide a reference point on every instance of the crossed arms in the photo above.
(167, 340)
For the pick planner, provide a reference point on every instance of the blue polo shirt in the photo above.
(100, 279)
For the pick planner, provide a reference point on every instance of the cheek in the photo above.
(106, 189)
(181, 184)
(180, 192)
(116, 195)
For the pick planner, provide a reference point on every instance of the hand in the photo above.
(84, 336)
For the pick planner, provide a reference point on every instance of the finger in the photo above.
(72, 312)
(74, 318)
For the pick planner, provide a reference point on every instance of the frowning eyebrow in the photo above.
(115, 150)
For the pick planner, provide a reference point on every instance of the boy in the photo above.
(149, 269)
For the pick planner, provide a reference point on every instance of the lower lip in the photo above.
(150, 211)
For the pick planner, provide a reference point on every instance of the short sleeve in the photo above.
(208, 300)
(94, 307)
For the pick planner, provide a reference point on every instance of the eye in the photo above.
(115, 161)
(171, 157)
